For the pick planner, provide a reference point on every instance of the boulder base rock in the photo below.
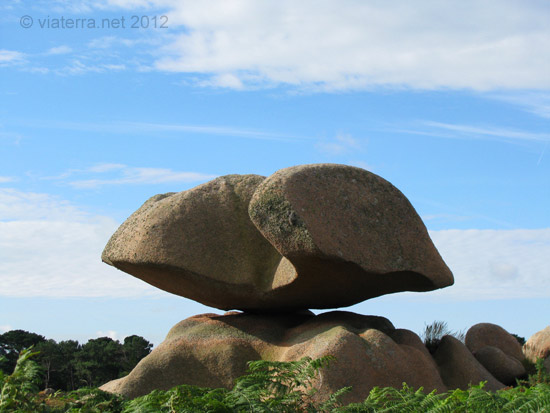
(212, 350)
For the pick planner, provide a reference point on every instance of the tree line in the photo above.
(68, 365)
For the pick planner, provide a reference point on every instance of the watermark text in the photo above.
(123, 22)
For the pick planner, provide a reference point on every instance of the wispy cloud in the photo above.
(77, 67)
(461, 131)
(8, 57)
(151, 128)
(126, 175)
(536, 102)
(5, 179)
(341, 144)
(64, 49)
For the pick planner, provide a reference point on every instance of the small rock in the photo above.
(459, 368)
(502, 366)
(487, 334)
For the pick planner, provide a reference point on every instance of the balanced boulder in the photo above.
(312, 236)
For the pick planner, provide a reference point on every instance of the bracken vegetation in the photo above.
(267, 387)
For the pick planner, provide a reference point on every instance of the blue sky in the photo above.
(449, 102)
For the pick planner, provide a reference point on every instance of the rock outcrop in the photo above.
(311, 236)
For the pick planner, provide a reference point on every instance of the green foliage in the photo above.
(267, 387)
(433, 333)
(475, 399)
(537, 373)
(20, 388)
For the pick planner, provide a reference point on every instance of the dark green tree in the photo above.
(69, 350)
(51, 360)
(12, 343)
(134, 349)
(98, 362)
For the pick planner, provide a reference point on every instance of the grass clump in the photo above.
(433, 333)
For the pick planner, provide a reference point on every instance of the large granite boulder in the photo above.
(313, 236)
(212, 350)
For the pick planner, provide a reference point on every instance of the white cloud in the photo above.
(4, 179)
(10, 57)
(50, 248)
(494, 264)
(5, 327)
(351, 44)
(29, 206)
(110, 333)
(337, 44)
(132, 175)
(59, 50)
(76, 67)
(341, 144)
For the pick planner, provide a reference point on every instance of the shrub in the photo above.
(433, 333)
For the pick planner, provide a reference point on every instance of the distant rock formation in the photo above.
(538, 347)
